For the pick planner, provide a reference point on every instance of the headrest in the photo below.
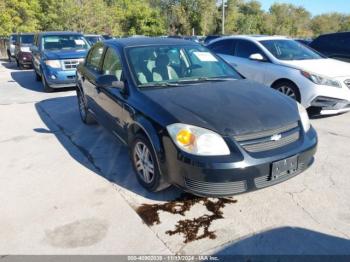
(162, 60)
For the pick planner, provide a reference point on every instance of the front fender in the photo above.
(141, 123)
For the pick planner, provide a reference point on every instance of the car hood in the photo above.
(324, 67)
(65, 54)
(228, 107)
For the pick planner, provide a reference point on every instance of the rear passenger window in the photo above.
(226, 47)
(245, 49)
(94, 58)
(112, 64)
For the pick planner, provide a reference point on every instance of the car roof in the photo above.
(144, 41)
(60, 33)
(251, 37)
(92, 35)
(337, 33)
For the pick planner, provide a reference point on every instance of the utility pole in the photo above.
(223, 17)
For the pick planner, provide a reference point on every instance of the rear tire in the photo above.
(37, 76)
(145, 165)
(84, 112)
(9, 55)
(289, 89)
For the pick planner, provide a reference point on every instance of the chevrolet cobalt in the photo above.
(190, 120)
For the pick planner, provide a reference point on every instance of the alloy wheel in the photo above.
(288, 91)
(143, 162)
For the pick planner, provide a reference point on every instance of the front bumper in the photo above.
(330, 100)
(330, 106)
(58, 78)
(230, 175)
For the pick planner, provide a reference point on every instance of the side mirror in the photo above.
(257, 57)
(110, 81)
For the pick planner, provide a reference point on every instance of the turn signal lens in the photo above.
(185, 137)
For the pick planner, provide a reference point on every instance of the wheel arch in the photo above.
(141, 125)
(145, 127)
(283, 80)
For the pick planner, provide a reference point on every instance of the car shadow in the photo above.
(9, 65)
(287, 241)
(93, 146)
(26, 79)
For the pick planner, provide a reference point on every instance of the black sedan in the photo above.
(190, 119)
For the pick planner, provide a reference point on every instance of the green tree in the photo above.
(331, 22)
(139, 18)
(288, 19)
(18, 16)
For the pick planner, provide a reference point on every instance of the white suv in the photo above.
(291, 68)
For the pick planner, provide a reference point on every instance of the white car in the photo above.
(291, 68)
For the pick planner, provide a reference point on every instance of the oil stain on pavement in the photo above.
(81, 233)
(190, 228)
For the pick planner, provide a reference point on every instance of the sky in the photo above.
(316, 7)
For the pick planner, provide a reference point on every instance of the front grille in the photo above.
(347, 83)
(213, 188)
(70, 64)
(266, 180)
(270, 139)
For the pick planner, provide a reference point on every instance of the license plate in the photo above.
(284, 167)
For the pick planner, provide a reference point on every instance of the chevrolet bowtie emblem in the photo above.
(276, 137)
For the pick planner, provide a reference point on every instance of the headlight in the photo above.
(304, 117)
(320, 80)
(197, 140)
(53, 63)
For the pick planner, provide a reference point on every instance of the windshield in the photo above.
(153, 65)
(57, 42)
(26, 39)
(285, 49)
(93, 39)
(13, 38)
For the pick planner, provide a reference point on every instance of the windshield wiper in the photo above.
(203, 79)
(163, 84)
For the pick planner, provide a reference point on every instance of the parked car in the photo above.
(209, 38)
(56, 56)
(23, 55)
(93, 39)
(10, 46)
(291, 68)
(193, 38)
(306, 42)
(336, 45)
(190, 119)
(107, 37)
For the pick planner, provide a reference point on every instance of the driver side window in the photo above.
(112, 64)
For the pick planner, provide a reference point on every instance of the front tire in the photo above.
(47, 88)
(289, 89)
(145, 164)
